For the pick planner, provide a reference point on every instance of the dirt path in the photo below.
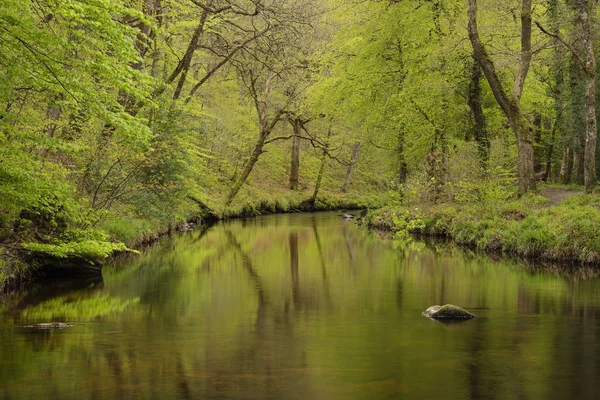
(556, 195)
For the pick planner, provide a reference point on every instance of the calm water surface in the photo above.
(305, 306)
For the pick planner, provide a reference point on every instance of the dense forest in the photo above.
(121, 119)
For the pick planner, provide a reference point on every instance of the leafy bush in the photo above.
(89, 250)
(490, 188)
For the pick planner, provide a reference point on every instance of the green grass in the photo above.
(12, 270)
(285, 202)
(526, 227)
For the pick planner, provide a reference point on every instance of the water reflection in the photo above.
(306, 306)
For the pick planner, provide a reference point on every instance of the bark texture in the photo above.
(590, 96)
(295, 165)
(321, 170)
(509, 102)
(351, 167)
(184, 65)
(480, 131)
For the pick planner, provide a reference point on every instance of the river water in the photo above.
(305, 306)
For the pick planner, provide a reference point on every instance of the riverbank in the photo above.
(531, 227)
(20, 266)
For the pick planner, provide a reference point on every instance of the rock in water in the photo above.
(447, 312)
(49, 325)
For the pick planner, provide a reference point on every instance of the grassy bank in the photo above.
(529, 227)
(22, 265)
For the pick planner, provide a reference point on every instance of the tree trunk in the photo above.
(266, 129)
(538, 124)
(184, 65)
(248, 166)
(313, 198)
(402, 164)
(526, 165)
(564, 166)
(351, 167)
(590, 99)
(577, 166)
(577, 109)
(295, 167)
(590, 135)
(53, 114)
(266, 126)
(319, 178)
(550, 149)
(481, 134)
(558, 94)
(510, 102)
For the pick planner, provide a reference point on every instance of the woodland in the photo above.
(123, 119)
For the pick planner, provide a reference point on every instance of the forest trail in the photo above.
(556, 195)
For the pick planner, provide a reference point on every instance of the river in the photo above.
(305, 306)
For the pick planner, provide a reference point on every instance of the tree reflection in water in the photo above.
(306, 306)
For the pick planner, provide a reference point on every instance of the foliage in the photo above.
(79, 309)
(525, 227)
(88, 250)
(490, 187)
(120, 120)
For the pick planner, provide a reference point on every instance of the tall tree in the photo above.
(474, 100)
(295, 159)
(510, 102)
(269, 71)
(586, 58)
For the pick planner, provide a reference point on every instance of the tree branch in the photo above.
(278, 138)
(566, 44)
(219, 65)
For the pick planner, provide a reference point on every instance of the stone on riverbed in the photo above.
(447, 312)
(49, 325)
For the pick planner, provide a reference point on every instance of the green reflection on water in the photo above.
(299, 306)
(73, 308)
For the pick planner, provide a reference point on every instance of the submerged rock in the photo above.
(447, 312)
(49, 325)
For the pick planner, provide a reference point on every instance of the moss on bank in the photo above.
(528, 227)
(120, 234)
(299, 202)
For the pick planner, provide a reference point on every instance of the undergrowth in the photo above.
(526, 227)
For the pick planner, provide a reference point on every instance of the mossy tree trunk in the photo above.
(402, 164)
(324, 157)
(295, 164)
(577, 109)
(480, 132)
(510, 102)
(184, 65)
(266, 123)
(590, 95)
(586, 58)
(563, 176)
(352, 166)
(266, 129)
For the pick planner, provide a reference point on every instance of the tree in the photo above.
(269, 71)
(509, 102)
(295, 156)
(586, 59)
(480, 131)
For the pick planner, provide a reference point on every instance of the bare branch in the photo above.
(278, 138)
(566, 44)
(219, 65)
